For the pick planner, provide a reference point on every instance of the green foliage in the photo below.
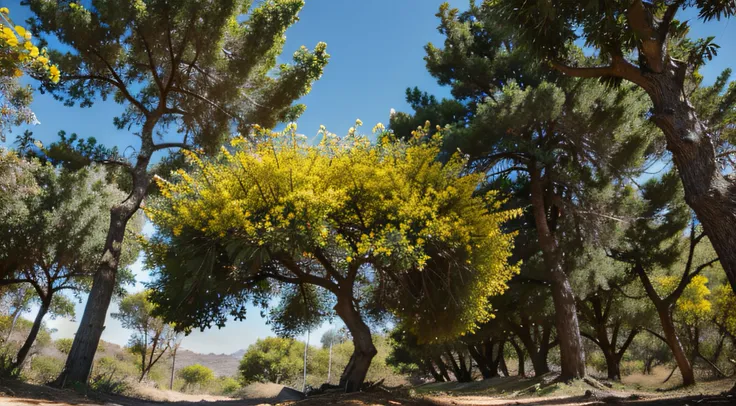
(195, 375)
(44, 369)
(272, 359)
(153, 337)
(334, 336)
(336, 227)
(220, 73)
(64, 345)
(112, 375)
(614, 27)
(61, 225)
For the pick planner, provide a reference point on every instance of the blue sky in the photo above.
(377, 51)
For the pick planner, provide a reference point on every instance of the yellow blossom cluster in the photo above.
(18, 54)
(390, 206)
(694, 305)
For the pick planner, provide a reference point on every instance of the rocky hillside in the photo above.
(221, 364)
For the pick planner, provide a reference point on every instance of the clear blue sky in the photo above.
(377, 51)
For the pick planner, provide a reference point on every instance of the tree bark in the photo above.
(355, 372)
(572, 354)
(673, 341)
(501, 359)
(538, 354)
(81, 356)
(26, 348)
(430, 368)
(710, 194)
(481, 362)
(442, 367)
(520, 358)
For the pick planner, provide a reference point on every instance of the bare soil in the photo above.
(500, 391)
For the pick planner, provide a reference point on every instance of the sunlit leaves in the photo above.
(409, 227)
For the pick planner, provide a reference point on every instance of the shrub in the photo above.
(64, 345)
(111, 375)
(44, 369)
(195, 375)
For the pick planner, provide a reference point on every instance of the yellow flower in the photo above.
(23, 32)
(17, 73)
(349, 259)
(358, 123)
(42, 59)
(9, 37)
(4, 10)
(34, 51)
(55, 74)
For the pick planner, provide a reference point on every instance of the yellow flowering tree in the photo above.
(19, 56)
(365, 228)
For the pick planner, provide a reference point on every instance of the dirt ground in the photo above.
(486, 393)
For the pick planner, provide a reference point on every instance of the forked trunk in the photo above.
(81, 356)
(355, 372)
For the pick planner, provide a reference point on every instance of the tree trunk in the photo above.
(442, 367)
(354, 375)
(500, 360)
(520, 358)
(432, 371)
(673, 341)
(572, 354)
(538, 355)
(81, 356)
(710, 194)
(613, 366)
(480, 361)
(173, 368)
(26, 348)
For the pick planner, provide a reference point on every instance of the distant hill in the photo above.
(221, 364)
(238, 354)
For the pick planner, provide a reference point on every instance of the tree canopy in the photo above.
(320, 225)
(189, 74)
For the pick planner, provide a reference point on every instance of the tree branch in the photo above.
(650, 47)
(166, 145)
(619, 67)
(151, 63)
(654, 333)
(118, 82)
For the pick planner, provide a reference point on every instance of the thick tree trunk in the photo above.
(572, 354)
(613, 366)
(81, 356)
(354, 374)
(710, 194)
(26, 348)
(673, 341)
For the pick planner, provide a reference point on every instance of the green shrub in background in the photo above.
(112, 375)
(64, 345)
(43, 369)
(195, 376)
